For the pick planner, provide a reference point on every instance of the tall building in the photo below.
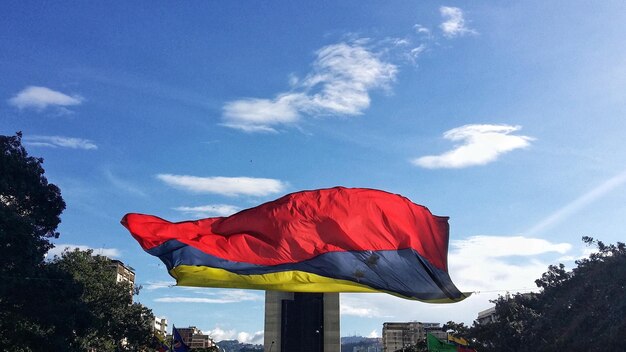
(303, 322)
(160, 326)
(398, 335)
(123, 273)
(487, 316)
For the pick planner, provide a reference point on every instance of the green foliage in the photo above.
(29, 208)
(114, 322)
(29, 215)
(421, 346)
(71, 303)
(579, 310)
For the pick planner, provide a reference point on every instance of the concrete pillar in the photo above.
(274, 321)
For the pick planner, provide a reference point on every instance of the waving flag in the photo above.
(178, 345)
(328, 240)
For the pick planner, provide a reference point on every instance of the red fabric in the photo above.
(302, 225)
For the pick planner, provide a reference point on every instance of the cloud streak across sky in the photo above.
(579, 203)
(60, 142)
(220, 297)
(340, 82)
(226, 186)
(39, 98)
(479, 145)
(209, 210)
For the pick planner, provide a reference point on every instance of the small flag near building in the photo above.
(177, 342)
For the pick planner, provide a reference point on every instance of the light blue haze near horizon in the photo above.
(508, 117)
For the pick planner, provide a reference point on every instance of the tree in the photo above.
(112, 322)
(30, 210)
(71, 303)
(579, 310)
(420, 346)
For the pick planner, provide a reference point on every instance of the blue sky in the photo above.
(508, 117)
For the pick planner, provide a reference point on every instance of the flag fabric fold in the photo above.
(178, 345)
(328, 240)
(435, 345)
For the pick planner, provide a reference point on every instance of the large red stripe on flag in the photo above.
(303, 225)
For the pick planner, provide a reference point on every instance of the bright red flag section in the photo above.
(328, 240)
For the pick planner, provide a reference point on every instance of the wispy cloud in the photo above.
(227, 186)
(219, 334)
(209, 210)
(61, 247)
(339, 84)
(454, 22)
(220, 297)
(421, 29)
(39, 98)
(579, 203)
(123, 185)
(155, 285)
(500, 262)
(60, 142)
(481, 144)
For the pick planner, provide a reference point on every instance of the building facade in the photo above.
(194, 338)
(123, 273)
(487, 316)
(160, 326)
(399, 335)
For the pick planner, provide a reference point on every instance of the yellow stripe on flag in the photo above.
(289, 281)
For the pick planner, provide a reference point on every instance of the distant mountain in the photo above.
(236, 346)
(360, 343)
(348, 344)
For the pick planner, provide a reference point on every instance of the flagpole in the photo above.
(172, 340)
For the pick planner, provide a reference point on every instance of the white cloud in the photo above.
(155, 285)
(421, 29)
(194, 300)
(373, 334)
(481, 144)
(39, 98)
(60, 141)
(481, 263)
(490, 265)
(414, 53)
(219, 334)
(254, 338)
(209, 210)
(256, 115)
(61, 247)
(339, 84)
(357, 306)
(454, 24)
(227, 186)
(219, 297)
(579, 203)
